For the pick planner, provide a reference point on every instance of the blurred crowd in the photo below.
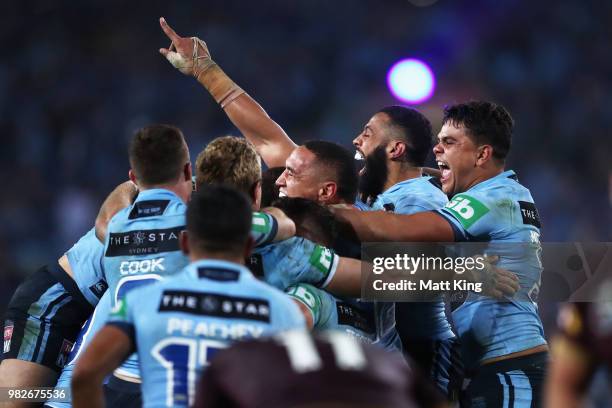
(77, 78)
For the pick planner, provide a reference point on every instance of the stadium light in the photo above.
(411, 81)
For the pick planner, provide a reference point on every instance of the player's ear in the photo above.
(187, 171)
(256, 195)
(132, 176)
(397, 149)
(485, 153)
(248, 248)
(328, 191)
(184, 242)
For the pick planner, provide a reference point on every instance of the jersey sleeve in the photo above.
(310, 297)
(121, 316)
(264, 228)
(470, 215)
(410, 205)
(317, 264)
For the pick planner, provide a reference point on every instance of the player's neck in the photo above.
(484, 175)
(216, 256)
(398, 172)
(176, 188)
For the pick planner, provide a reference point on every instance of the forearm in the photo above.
(87, 392)
(269, 139)
(347, 279)
(120, 198)
(379, 226)
(286, 226)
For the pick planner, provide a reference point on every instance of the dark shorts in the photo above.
(44, 317)
(120, 393)
(514, 383)
(441, 360)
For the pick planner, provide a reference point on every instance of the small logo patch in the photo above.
(466, 209)
(65, 350)
(8, 335)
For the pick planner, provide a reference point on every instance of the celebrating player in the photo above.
(503, 343)
(176, 326)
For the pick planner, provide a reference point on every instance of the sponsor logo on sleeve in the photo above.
(466, 209)
(99, 288)
(530, 214)
(321, 259)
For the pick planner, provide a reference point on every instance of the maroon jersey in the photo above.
(295, 369)
(589, 326)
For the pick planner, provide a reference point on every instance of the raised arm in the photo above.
(191, 57)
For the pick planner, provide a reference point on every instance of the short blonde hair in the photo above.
(231, 161)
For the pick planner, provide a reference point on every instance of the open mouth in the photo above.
(282, 193)
(445, 169)
(361, 159)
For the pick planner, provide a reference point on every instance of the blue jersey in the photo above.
(90, 328)
(332, 313)
(85, 259)
(501, 212)
(142, 246)
(178, 325)
(294, 260)
(427, 319)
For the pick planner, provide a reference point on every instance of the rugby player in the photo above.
(581, 346)
(319, 170)
(142, 241)
(327, 370)
(503, 344)
(394, 145)
(49, 308)
(285, 262)
(177, 326)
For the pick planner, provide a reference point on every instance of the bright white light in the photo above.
(411, 81)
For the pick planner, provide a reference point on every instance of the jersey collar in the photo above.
(219, 270)
(156, 193)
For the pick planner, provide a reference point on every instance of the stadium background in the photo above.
(77, 78)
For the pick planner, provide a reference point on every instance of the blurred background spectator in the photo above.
(78, 78)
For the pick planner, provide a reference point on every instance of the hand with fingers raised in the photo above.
(190, 55)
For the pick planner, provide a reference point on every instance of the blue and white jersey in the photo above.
(333, 313)
(85, 259)
(178, 325)
(90, 328)
(500, 212)
(294, 260)
(428, 319)
(142, 246)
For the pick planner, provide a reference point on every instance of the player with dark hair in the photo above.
(326, 173)
(324, 371)
(316, 160)
(322, 310)
(394, 145)
(178, 325)
(503, 345)
(284, 262)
